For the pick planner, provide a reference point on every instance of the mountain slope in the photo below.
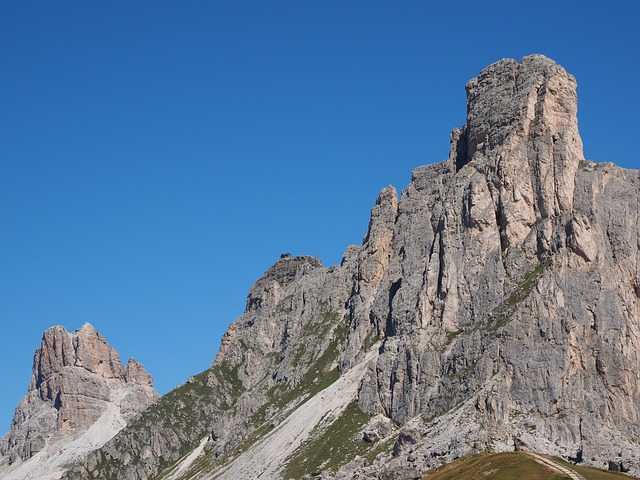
(502, 286)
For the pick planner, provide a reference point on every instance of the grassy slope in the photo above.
(510, 466)
(595, 474)
(331, 447)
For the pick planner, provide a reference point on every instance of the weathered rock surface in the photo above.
(503, 286)
(512, 275)
(77, 379)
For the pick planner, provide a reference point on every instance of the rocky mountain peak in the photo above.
(519, 152)
(533, 100)
(77, 378)
(134, 372)
(84, 348)
(267, 290)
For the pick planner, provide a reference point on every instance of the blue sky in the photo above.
(157, 157)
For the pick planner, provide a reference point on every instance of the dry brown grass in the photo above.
(495, 466)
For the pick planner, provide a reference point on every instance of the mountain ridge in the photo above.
(493, 305)
(458, 277)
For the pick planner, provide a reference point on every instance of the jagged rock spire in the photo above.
(522, 135)
(73, 382)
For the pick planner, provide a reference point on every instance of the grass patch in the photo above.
(451, 336)
(525, 287)
(496, 466)
(282, 398)
(318, 377)
(594, 473)
(330, 447)
(382, 446)
(184, 413)
(512, 466)
(501, 314)
(370, 340)
(588, 165)
(196, 470)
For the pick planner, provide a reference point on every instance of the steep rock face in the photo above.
(469, 231)
(512, 282)
(494, 305)
(77, 377)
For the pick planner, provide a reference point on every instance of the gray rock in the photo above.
(511, 288)
(503, 284)
(75, 377)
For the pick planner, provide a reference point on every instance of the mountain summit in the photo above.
(493, 306)
(80, 395)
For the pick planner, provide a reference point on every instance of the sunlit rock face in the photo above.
(509, 300)
(77, 378)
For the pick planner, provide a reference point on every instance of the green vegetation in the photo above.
(197, 470)
(330, 447)
(370, 340)
(103, 465)
(500, 315)
(495, 466)
(593, 473)
(460, 376)
(525, 287)
(588, 165)
(185, 414)
(381, 446)
(511, 466)
(325, 320)
(451, 336)
(318, 377)
(182, 409)
(285, 306)
(320, 374)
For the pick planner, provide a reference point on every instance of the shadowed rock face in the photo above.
(76, 377)
(503, 285)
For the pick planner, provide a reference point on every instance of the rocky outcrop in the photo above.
(77, 379)
(505, 289)
(493, 305)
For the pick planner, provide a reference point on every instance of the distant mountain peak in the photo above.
(77, 378)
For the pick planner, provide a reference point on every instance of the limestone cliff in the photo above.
(510, 303)
(492, 306)
(78, 381)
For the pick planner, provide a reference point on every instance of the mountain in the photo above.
(79, 397)
(493, 306)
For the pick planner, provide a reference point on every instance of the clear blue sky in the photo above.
(157, 157)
